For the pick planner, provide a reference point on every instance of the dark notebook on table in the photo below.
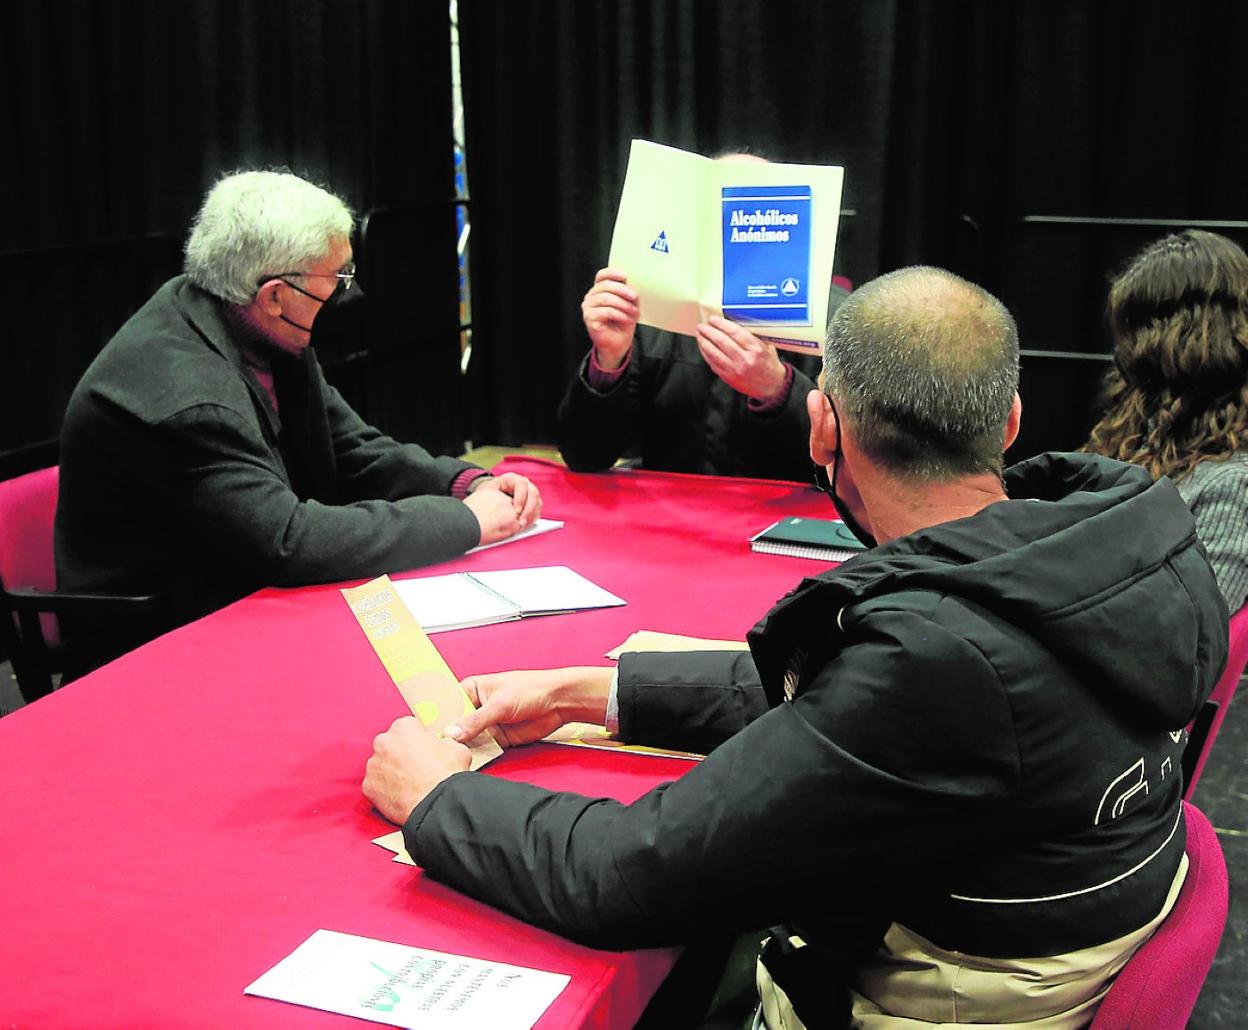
(821, 539)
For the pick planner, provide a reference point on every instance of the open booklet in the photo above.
(751, 241)
(465, 599)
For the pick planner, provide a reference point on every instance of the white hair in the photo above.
(255, 225)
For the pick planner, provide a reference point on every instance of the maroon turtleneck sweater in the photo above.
(255, 345)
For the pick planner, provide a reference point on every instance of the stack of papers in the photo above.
(394, 843)
(653, 640)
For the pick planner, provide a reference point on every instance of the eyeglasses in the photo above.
(345, 275)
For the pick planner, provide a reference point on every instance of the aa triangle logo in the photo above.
(660, 243)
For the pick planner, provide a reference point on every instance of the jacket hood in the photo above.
(1088, 556)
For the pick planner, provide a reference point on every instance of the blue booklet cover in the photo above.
(753, 242)
(767, 254)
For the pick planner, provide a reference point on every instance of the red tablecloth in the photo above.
(175, 823)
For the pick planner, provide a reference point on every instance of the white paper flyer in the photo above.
(409, 987)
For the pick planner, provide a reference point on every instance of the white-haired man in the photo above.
(950, 772)
(203, 455)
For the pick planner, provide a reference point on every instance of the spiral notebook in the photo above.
(821, 539)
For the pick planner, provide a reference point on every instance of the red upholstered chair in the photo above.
(29, 600)
(1158, 987)
(1208, 721)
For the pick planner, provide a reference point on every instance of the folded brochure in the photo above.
(753, 241)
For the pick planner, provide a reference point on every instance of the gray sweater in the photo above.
(1217, 493)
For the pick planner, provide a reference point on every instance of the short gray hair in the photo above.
(924, 365)
(253, 225)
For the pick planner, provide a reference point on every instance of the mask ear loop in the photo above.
(320, 300)
(842, 509)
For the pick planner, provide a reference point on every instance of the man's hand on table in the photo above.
(407, 763)
(504, 505)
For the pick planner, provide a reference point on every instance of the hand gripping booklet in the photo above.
(821, 539)
(753, 242)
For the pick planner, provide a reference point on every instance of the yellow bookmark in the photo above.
(417, 668)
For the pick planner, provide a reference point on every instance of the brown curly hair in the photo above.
(1178, 392)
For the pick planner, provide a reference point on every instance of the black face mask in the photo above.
(323, 301)
(842, 509)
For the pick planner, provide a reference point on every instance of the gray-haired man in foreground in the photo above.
(947, 782)
(203, 454)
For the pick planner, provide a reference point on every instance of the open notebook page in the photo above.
(453, 602)
(550, 588)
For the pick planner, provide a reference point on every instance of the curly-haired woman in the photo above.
(1176, 400)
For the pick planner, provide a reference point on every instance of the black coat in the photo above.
(968, 713)
(179, 479)
(670, 411)
(676, 415)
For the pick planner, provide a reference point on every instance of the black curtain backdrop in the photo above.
(127, 110)
(957, 123)
(554, 90)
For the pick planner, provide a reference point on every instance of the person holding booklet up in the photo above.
(723, 403)
(944, 784)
